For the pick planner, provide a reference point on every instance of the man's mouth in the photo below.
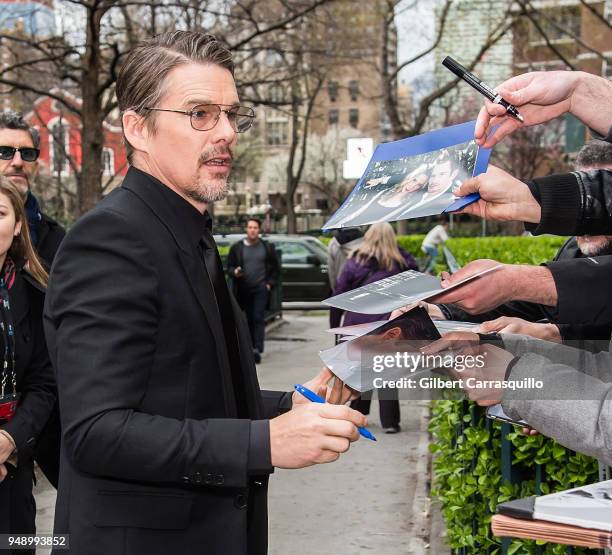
(219, 161)
(13, 175)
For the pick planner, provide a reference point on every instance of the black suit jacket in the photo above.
(153, 456)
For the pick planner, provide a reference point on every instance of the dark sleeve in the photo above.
(586, 336)
(101, 321)
(276, 402)
(531, 312)
(272, 268)
(582, 290)
(232, 260)
(577, 203)
(38, 391)
(345, 279)
(410, 261)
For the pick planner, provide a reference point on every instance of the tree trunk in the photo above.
(89, 187)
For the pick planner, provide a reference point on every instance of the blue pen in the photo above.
(313, 397)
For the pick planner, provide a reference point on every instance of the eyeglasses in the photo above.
(27, 154)
(205, 116)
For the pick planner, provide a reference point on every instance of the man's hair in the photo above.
(596, 153)
(141, 79)
(9, 119)
(256, 220)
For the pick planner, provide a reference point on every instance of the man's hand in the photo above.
(481, 294)
(511, 282)
(496, 362)
(336, 394)
(507, 324)
(544, 95)
(238, 272)
(313, 433)
(502, 197)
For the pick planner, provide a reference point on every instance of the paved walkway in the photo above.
(373, 500)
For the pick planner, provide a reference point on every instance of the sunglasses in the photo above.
(27, 154)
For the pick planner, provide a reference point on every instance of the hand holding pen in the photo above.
(314, 398)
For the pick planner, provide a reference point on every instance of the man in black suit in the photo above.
(167, 440)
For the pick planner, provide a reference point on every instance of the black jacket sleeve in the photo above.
(233, 259)
(272, 266)
(577, 203)
(101, 321)
(583, 286)
(531, 312)
(38, 391)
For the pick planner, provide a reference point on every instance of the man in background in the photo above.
(19, 152)
(253, 265)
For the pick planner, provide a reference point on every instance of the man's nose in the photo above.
(224, 129)
(17, 161)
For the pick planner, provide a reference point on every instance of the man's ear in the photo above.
(136, 130)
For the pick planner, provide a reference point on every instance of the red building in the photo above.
(60, 138)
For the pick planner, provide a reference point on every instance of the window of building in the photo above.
(354, 117)
(554, 23)
(277, 132)
(108, 161)
(60, 147)
(354, 90)
(333, 116)
(322, 204)
(277, 94)
(332, 90)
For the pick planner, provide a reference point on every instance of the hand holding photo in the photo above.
(396, 291)
(414, 177)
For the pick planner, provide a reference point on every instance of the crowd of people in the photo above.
(146, 359)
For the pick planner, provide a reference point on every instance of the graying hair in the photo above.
(595, 153)
(9, 119)
(140, 82)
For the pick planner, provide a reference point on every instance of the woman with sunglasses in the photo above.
(27, 387)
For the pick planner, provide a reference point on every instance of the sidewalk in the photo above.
(374, 498)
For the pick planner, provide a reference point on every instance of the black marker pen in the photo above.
(481, 87)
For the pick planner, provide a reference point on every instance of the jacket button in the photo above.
(186, 479)
(197, 478)
(219, 480)
(209, 480)
(240, 501)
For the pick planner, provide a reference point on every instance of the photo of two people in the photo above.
(413, 177)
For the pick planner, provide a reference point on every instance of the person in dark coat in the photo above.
(27, 386)
(167, 440)
(252, 265)
(377, 257)
(19, 151)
